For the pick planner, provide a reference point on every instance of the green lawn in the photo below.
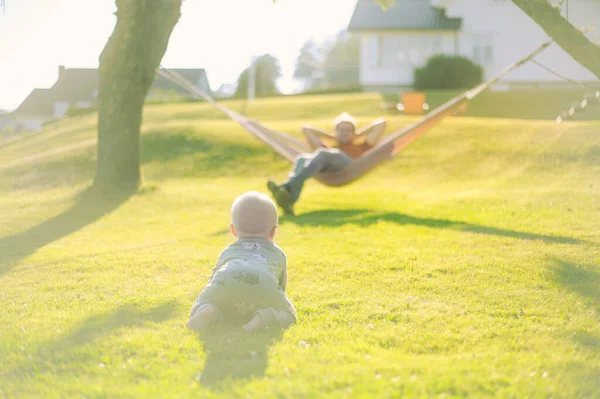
(469, 266)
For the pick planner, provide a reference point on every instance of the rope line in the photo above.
(580, 84)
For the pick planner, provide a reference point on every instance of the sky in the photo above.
(36, 36)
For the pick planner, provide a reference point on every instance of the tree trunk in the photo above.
(127, 70)
(571, 39)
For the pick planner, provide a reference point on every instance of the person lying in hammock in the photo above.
(332, 153)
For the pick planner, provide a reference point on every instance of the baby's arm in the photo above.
(283, 279)
(220, 263)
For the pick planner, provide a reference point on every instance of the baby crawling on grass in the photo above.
(247, 285)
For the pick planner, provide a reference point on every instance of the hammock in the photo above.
(290, 147)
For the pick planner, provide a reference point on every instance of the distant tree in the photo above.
(309, 66)
(341, 63)
(268, 71)
(334, 63)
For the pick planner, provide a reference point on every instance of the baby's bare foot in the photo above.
(254, 324)
(202, 319)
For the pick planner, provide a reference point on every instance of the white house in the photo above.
(493, 33)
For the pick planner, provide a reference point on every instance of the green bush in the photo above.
(74, 111)
(448, 72)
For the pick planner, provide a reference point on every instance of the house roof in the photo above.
(403, 15)
(73, 85)
(76, 84)
(196, 76)
(80, 84)
(39, 103)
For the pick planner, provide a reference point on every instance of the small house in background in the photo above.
(37, 108)
(492, 33)
(77, 89)
(164, 90)
(226, 91)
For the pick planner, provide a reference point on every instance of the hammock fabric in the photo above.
(290, 147)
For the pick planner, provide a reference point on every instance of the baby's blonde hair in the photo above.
(253, 214)
(344, 117)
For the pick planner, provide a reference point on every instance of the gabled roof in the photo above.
(403, 15)
(76, 84)
(225, 90)
(196, 76)
(39, 103)
(73, 85)
(80, 84)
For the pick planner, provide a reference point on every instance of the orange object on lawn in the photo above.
(413, 102)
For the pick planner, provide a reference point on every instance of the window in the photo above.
(477, 53)
(374, 51)
(437, 44)
(483, 49)
(402, 50)
(488, 54)
(401, 56)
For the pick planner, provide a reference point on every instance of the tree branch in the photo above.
(568, 37)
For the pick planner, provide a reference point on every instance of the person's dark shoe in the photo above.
(284, 200)
(273, 188)
(282, 197)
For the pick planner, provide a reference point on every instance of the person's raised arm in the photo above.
(317, 138)
(372, 133)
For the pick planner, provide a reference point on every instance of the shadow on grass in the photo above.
(588, 340)
(585, 281)
(131, 249)
(54, 356)
(366, 217)
(129, 315)
(206, 156)
(232, 354)
(68, 170)
(90, 206)
(579, 278)
(210, 154)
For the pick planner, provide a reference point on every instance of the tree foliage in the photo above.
(309, 65)
(334, 63)
(267, 71)
(341, 66)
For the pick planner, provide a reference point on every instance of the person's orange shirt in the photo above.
(354, 150)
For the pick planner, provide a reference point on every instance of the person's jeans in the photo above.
(307, 165)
